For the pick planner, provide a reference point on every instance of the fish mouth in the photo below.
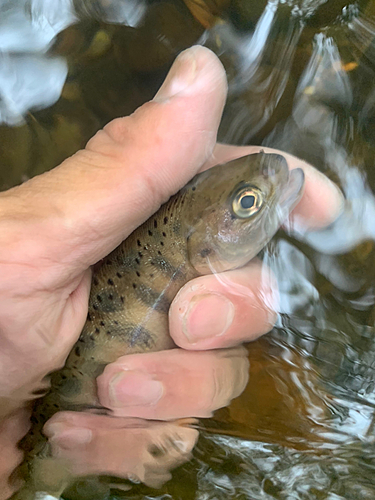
(274, 167)
(290, 182)
(292, 192)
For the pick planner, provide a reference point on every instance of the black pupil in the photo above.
(247, 201)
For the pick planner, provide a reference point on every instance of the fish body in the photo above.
(219, 221)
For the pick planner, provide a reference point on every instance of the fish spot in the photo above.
(102, 323)
(108, 262)
(89, 317)
(110, 282)
(107, 302)
(97, 330)
(77, 351)
(156, 451)
(193, 188)
(119, 275)
(162, 243)
(205, 252)
(138, 274)
(122, 299)
(151, 275)
(95, 281)
(134, 286)
(34, 420)
(140, 254)
(165, 220)
(164, 234)
(139, 243)
(155, 223)
(150, 232)
(159, 252)
(137, 261)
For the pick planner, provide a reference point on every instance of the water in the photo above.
(301, 78)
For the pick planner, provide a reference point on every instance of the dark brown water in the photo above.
(302, 79)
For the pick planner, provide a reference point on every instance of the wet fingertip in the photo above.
(191, 70)
(322, 203)
(70, 437)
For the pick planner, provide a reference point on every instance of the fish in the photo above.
(219, 221)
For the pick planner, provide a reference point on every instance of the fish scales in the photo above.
(219, 221)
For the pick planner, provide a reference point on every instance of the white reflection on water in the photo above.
(28, 82)
(31, 26)
(314, 123)
(29, 79)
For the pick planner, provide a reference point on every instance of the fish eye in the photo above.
(247, 202)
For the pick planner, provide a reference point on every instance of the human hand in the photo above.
(55, 226)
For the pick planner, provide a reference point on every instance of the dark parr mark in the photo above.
(153, 299)
(165, 220)
(131, 334)
(70, 387)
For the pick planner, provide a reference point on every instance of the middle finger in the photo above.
(173, 384)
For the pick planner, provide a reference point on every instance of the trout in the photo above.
(217, 222)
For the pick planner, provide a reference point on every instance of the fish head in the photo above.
(238, 207)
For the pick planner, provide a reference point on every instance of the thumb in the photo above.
(77, 213)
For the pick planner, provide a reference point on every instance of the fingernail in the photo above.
(180, 76)
(207, 316)
(132, 388)
(68, 437)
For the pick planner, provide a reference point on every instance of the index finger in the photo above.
(322, 200)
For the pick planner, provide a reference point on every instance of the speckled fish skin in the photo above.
(194, 233)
